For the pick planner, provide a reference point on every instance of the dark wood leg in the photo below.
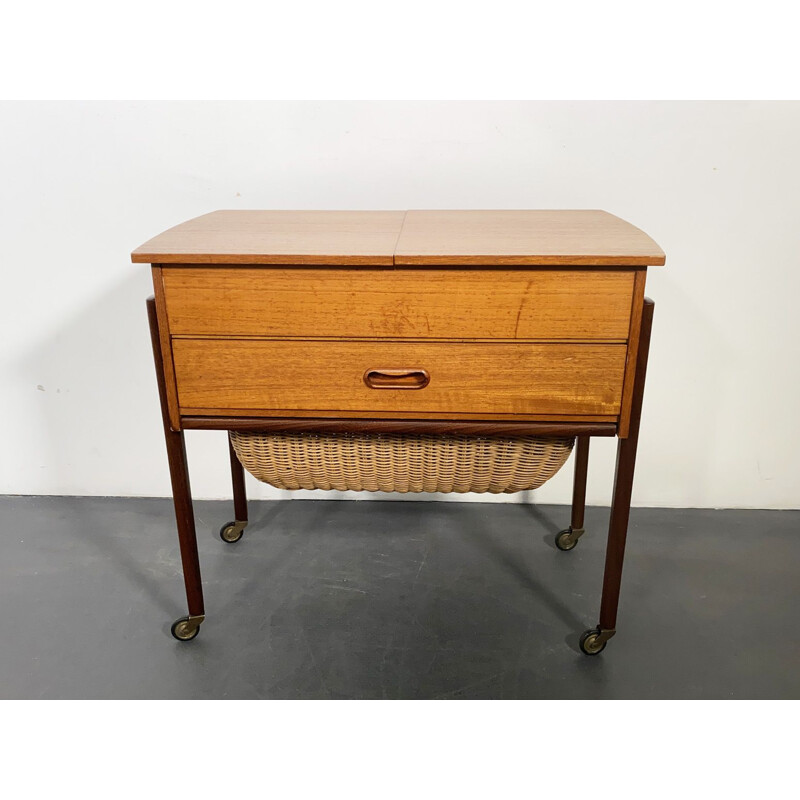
(239, 492)
(233, 531)
(568, 538)
(185, 628)
(594, 641)
(579, 484)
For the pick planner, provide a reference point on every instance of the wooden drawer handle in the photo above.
(397, 378)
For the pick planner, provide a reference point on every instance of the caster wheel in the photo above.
(183, 630)
(231, 532)
(589, 643)
(565, 540)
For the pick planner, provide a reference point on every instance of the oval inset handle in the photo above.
(397, 378)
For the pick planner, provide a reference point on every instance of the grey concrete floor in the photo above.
(332, 599)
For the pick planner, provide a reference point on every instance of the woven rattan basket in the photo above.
(401, 462)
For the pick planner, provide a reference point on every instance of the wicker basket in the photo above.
(401, 462)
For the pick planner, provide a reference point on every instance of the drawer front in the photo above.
(216, 376)
(397, 303)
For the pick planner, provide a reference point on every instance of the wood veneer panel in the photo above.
(570, 238)
(633, 351)
(501, 304)
(281, 413)
(166, 350)
(477, 428)
(413, 238)
(277, 237)
(469, 378)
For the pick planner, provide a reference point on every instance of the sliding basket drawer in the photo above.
(278, 377)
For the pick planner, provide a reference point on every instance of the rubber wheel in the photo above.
(564, 540)
(229, 534)
(589, 642)
(180, 630)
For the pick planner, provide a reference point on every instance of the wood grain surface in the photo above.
(166, 350)
(259, 413)
(277, 237)
(633, 351)
(413, 238)
(463, 428)
(495, 378)
(574, 238)
(399, 303)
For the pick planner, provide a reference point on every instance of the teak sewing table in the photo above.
(502, 323)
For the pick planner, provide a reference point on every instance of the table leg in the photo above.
(594, 640)
(568, 538)
(185, 628)
(233, 531)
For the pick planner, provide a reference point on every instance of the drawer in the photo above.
(545, 304)
(224, 376)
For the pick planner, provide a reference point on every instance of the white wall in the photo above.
(716, 184)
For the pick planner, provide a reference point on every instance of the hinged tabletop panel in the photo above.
(523, 238)
(413, 238)
(278, 237)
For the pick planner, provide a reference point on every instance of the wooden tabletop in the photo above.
(519, 238)
(278, 237)
(413, 238)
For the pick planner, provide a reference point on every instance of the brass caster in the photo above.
(594, 640)
(231, 532)
(186, 628)
(568, 538)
